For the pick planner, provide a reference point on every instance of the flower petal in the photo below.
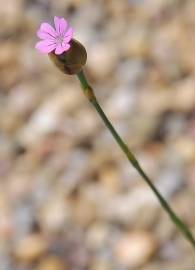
(67, 39)
(57, 23)
(59, 49)
(66, 47)
(63, 25)
(68, 35)
(69, 32)
(62, 48)
(44, 35)
(60, 25)
(45, 27)
(45, 46)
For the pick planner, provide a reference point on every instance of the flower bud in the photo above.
(72, 61)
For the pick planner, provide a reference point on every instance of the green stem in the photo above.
(88, 91)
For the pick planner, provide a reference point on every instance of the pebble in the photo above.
(10, 15)
(51, 263)
(54, 215)
(6, 226)
(48, 117)
(185, 147)
(30, 248)
(97, 236)
(68, 197)
(135, 43)
(101, 265)
(184, 91)
(84, 212)
(134, 249)
(102, 59)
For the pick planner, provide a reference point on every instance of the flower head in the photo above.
(57, 39)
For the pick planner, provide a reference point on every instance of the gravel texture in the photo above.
(68, 197)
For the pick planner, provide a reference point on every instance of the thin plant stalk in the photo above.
(89, 93)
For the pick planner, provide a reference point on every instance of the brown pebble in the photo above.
(135, 248)
(52, 263)
(30, 248)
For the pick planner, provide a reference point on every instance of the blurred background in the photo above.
(68, 197)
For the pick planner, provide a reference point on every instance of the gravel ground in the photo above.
(66, 202)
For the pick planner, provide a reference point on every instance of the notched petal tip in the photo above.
(45, 46)
(60, 25)
(56, 18)
(69, 32)
(47, 28)
(66, 47)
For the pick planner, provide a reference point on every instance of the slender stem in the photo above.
(88, 91)
(137, 166)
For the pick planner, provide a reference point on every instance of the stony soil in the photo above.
(68, 197)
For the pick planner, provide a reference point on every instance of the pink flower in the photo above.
(54, 39)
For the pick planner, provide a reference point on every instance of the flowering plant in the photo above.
(70, 56)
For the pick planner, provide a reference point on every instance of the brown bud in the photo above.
(72, 61)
